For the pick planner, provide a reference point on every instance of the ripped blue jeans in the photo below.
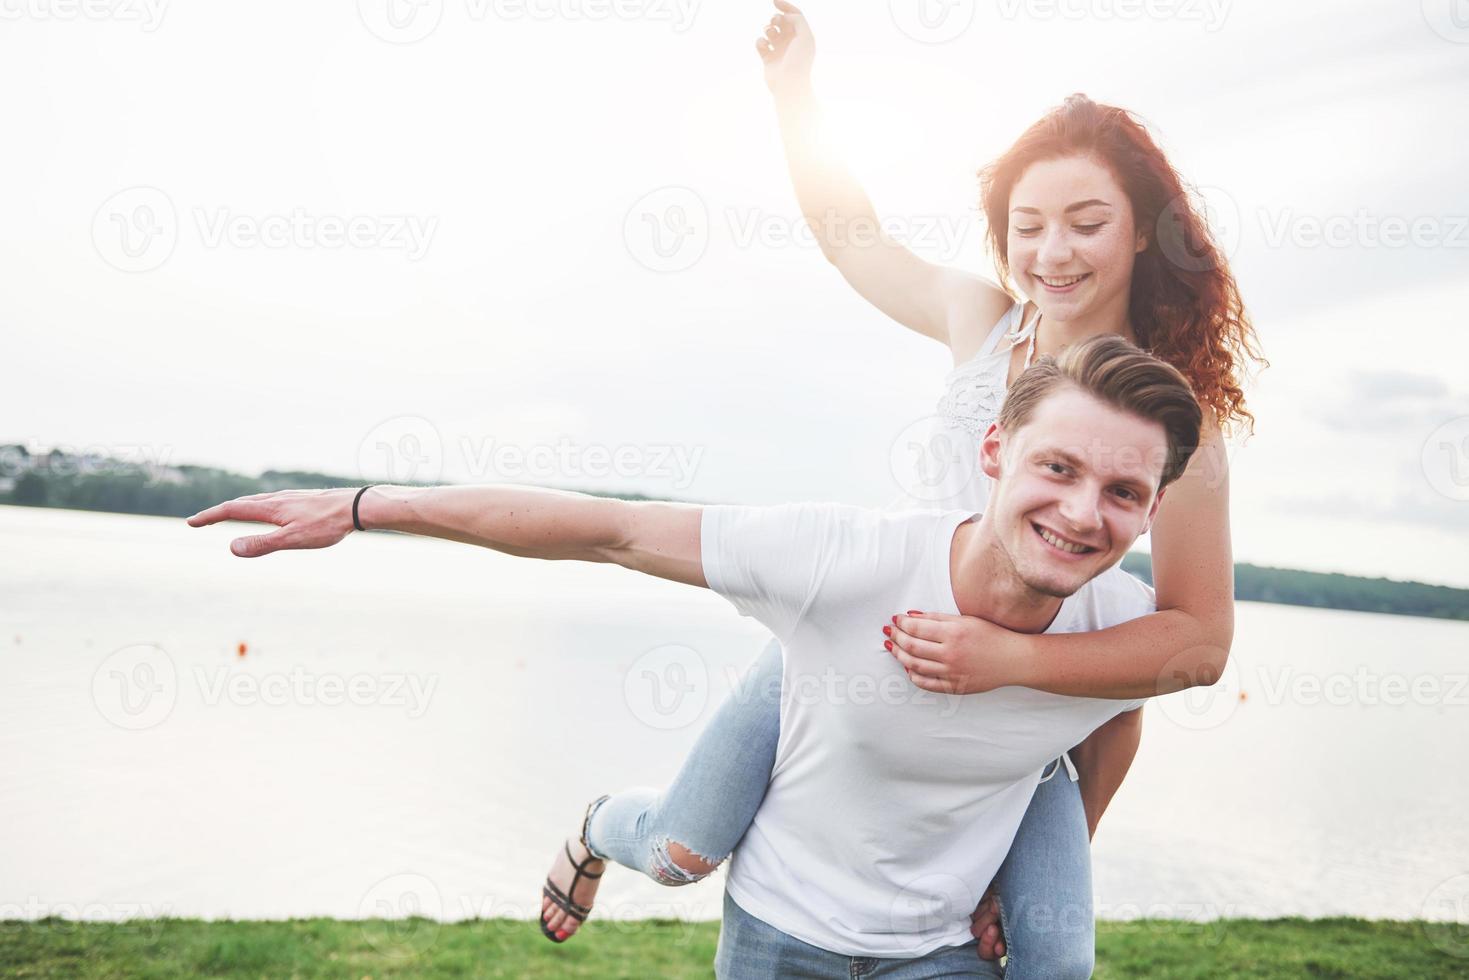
(1045, 884)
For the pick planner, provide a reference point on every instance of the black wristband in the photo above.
(355, 522)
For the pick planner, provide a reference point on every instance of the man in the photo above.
(890, 808)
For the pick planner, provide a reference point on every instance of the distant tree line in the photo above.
(1291, 587)
(178, 491)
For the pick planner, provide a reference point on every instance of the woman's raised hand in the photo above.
(305, 518)
(787, 48)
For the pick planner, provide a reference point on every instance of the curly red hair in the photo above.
(1185, 306)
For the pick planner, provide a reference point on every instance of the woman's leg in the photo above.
(1045, 887)
(683, 833)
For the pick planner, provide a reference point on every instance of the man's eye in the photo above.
(1125, 494)
(1055, 467)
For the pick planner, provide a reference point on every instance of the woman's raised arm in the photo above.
(949, 305)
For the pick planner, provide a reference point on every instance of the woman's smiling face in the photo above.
(1072, 239)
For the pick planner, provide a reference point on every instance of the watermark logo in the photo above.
(136, 229)
(667, 230)
(930, 903)
(404, 912)
(1445, 459)
(403, 449)
(667, 687)
(400, 21)
(932, 21)
(1449, 19)
(932, 461)
(1206, 705)
(135, 687)
(1182, 244)
(1446, 910)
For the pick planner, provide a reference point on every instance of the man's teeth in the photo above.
(1061, 283)
(1075, 549)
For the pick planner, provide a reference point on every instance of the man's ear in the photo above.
(1152, 512)
(989, 451)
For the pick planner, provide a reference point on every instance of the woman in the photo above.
(1090, 222)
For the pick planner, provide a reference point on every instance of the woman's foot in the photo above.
(571, 887)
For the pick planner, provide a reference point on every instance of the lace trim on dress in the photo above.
(976, 390)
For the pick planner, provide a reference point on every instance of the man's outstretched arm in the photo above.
(653, 537)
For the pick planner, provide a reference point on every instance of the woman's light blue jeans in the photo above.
(1045, 884)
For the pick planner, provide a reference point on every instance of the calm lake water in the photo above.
(415, 725)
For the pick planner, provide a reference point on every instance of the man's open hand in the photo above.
(305, 518)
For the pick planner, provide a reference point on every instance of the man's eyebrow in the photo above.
(1069, 458)
(1090, 202)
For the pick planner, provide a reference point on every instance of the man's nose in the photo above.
(1082, 509)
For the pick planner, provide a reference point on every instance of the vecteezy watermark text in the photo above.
(137, 687)
(1363, 229)
(1211, 13)
(411, 449)
(408, 233)
(409, 21)
(147, 14)
(411, 692)
(670, 228)
(138, 228)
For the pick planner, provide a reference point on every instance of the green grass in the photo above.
(660, 948)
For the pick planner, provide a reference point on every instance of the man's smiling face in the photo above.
(1074, 488)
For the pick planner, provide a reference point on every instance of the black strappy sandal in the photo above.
(562, 900)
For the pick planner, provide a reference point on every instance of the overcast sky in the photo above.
(490, 239)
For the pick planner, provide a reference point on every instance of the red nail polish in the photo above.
(887, 631)
(914, 612)
(895, 620)
(887, 645)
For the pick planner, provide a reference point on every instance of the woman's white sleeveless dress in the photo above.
(936, 461)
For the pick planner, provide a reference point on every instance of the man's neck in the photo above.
(985, 584)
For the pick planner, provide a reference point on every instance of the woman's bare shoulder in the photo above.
(973, 305)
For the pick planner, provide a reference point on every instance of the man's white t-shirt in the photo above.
(890, 808)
